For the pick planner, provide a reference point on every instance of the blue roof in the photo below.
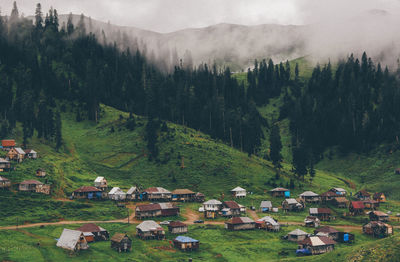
(185, 239)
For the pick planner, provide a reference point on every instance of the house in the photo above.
(177, 227)
(280, 192)
(238, 192)
(310, 197)
(73, 240)
(242, 208)
(89, 192)
(265, 206)
(7, 144)
(378, 229)
(240, 223)
(157, 194)
(324, 214)
(371, 204)
(291, 204)
(341, 202)
(116, 194)
(5, 165)
(378, 216)
(101, 183)
(297, 235)
(156, 210)
(4, 183)
(380, 197)
(327, 231)
(186, 243)
(230, 209)
(338, 191)
(31, 154)
(40, 172)
(312, 221)
(150, 230)
(356, 208)
(211, 208)
(17, 154)
(199, 197)
(268, 223)
(362, 195)
(34, 186)
(121, 242)
(134, 193)
(317, 244)
(328, 196)
(183, 195)
(97, 233)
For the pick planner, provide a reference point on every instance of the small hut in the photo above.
(89, 192)
(149, 229)
(101, 183)
(230, 209)
(310, 197)
(5, 165)
(378, 216)
(265, 206)
(380, 197)
(29, 185)
(177, 227)
(121, 242)
(72, 240)
(98, 233)
(199, 197)
(268, 223)
(280, 192)
(356, 208)
(327, 231)
(31, 154)
(117, 194)
(186, 243)
(324, 214)
(317, 244)
(291, 204)
(312, 221)
(371, 204)
(341, 202)
(240, 223)
(362, 195)
(17, 154)
(238, 192)
(297, 235)
(133, 193)
(40, 172)
(378, 229)
(4, 183)
(328, 196)
(338, 191)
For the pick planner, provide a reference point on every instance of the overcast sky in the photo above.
(171, 15)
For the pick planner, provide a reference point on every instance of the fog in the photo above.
(213, 30)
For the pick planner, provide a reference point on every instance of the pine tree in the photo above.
(58, 131)
(14, 14)
(151, 137)
(70, 25)
(275, 146)
(38, 17)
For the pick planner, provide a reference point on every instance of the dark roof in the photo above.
(118, 237)
(323, 210)
(231, 204)
(328, 193)
(240, 220)
(91, 227)
(326, 229)
(341, 200)
(378, 195)
(363, 192)
(8, 142)
(148, 207)
(31, 182)
(177, 224)
(357, 204)
(312, 218)
(87, 189)
(311, 241)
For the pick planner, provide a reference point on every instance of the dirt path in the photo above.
(253, 214)
(191, 216)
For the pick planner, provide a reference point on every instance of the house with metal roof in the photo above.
(98, 233)
(17, 154)
(89, 192)
(211, 208)
(238, 192)
(356, 208)
(317, 244)
(291, 204)
(177, 227)
(240, 223)
(327, 231)
(312, 221)
(4, 183)
(121, 242)
(116, 194)
(378, 216)
(186, 243)
(101, 183)
(156, 210)
(73, 240)
(310, 197)
(378, 229)
(183, 195)
(324, 214)
(280, 192)
(5, 165)
(338, 191)
(265, 206)
(157, 194)
(149, 229)
(7, 144)
(362, 195)
(134, 193)
(297, 235)
(268, 223)
(230, 209)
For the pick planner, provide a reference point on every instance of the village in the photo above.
(156, 203)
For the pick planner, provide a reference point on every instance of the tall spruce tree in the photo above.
(275, 146)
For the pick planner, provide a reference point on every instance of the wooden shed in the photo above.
(280, 192)
(98, 233)
(328, 196)
(310, 197)
(291, 204)
(339, 191)
(199, 197)
(177, 227)
(297, 235)
(5, 165)
(72, 240)
(4, 183)
(40, 172)
(134, 193)
(29, 185)
(312, 221)
(317, 244)
(356, 208)
(265, 206)
(17, 154)
(378, 229)
(121, 242)
(149, 229)
(327, 231)
(88, 192)
(268, 223)
(186, 243)
(324, 214)
(378, 216)
(240, 223)
(31, 154)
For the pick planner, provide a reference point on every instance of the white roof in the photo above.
(212, 202)
(313, 210)
(99, 179)
(298, 232)
(339, 189)
(69, 238)
(2, 160)
(32, 152)
(87, 234)
(291, 201)
(322, 234)
(20, 151)
(116, 191)
(148, 225)
(309, 194)
(269, 220)
(238, 188)
(267, 204)
(316, 241)
(131, 190)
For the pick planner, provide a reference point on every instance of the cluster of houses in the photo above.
(78, 239)
(15, 153)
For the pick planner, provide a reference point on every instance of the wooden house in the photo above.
(339, 191)
(98, 233)
(121, 242)
(240, 223)
(265, 206)
(199, 197)
(341, 202)
(117, 194)
(40, 172)
(297, 235)
(378, 216)
(156, 210)
(238, 192)
(380, 197)
(230, 209)
(362, 195)
(101, 183)
(72, 240)
(177, 227)
(17, 154)
(328, 196)
(157, 194)
(88, 192)
(378, 229)
(312, 221)
(317, 244)
(134, 193)
(31, 154)
(5, 165)
(324, 214)
(291, 204)
(211, 208)
(356, 208)
(183, 195)
(7, 144)
(327, 231)
(186, 243)
(268, 223)
(4, 183)
(150, 230)
(280, 192)
(371, 204)
(310, 197)
(29, 185)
